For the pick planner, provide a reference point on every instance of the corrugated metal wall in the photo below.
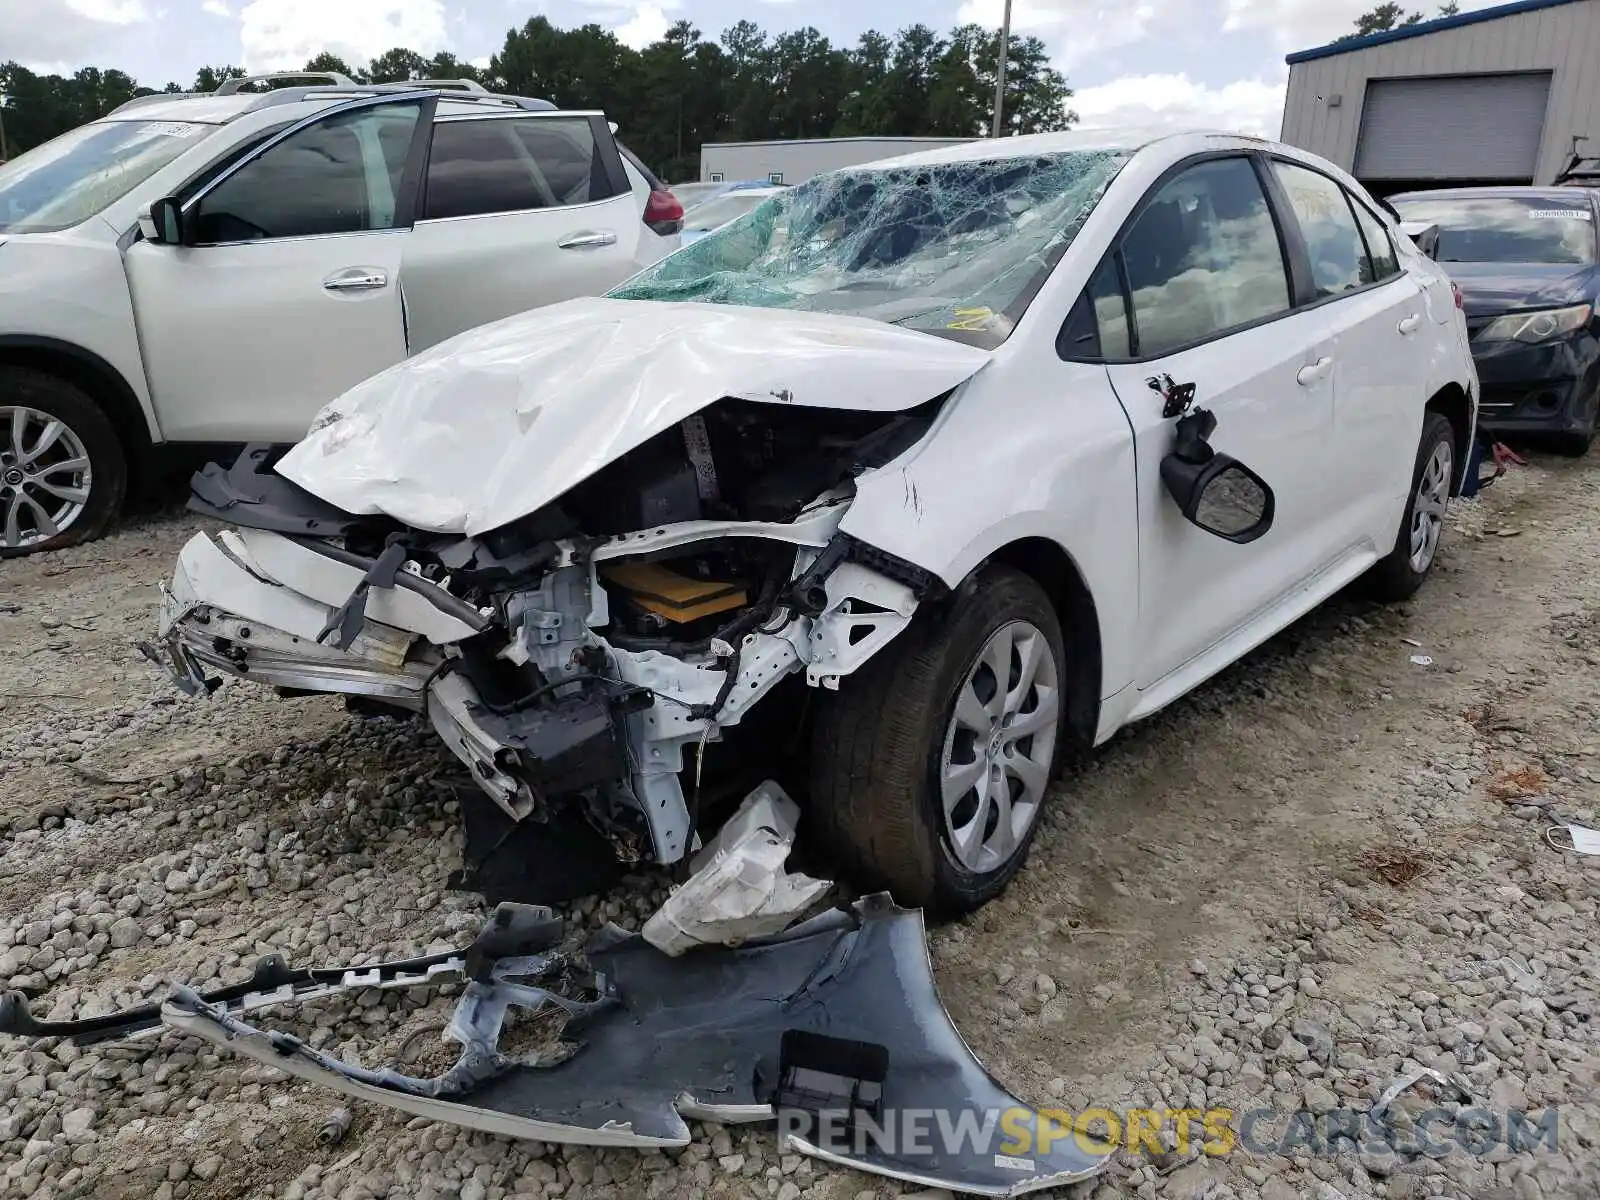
(799, 161)
(1564, 40)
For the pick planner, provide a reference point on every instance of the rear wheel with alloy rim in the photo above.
(932, 763)
(62, 473)
(1399, 574)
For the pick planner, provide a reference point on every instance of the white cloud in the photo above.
(1250, 106)
(644, 22)
(52, 32)
(648, 24)
(111, 12)
(1305, 23)
(216, 8)
(281, 35)
(1075, 30)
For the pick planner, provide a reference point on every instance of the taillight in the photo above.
(1455, 290)
(663, 213)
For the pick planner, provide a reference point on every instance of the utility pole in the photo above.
(4, 154)
(1000, 83)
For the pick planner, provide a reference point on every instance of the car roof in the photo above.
(1490, 193)
(1127, 140)
(218, 108)
(199, 110)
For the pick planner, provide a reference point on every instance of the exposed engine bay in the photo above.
(571, 657)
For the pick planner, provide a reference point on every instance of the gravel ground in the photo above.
(1320, 870)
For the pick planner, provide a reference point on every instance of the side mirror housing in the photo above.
(1424, 235)
(164, 225)
(1214, 492)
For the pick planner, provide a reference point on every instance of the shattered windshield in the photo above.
(70, 178)
(957, 249)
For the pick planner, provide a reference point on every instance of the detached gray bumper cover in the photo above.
(651, 1040)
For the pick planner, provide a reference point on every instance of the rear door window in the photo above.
(1333, 243)
(506, 165)
(1380, 246)
(565, 151)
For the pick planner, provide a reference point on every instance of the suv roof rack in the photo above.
(230, 86)
(461, 91)
(466, 85)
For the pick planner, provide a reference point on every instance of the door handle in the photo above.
(588, 241)
(1409, 324)
(1315, 372)
(356, 279)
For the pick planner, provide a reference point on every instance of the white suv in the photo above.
(216, 267)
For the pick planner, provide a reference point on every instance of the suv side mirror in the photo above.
(1425, 236)
(1214, 492)
(165, 223)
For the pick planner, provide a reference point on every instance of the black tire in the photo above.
(45, 393)
(1393, 577)
(1573, 445)
(875, 808)
(1575, 442)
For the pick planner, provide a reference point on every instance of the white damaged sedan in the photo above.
(896, 490)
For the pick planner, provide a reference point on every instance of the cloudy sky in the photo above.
(1212, 62)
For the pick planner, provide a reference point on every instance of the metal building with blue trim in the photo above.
(1493, 96)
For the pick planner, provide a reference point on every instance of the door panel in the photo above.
(286, 289)
(1194, 587)
(1207, 287)
(1379, 374)
(519, 211)
(248, 341)
(468, 271)
(1379, 381)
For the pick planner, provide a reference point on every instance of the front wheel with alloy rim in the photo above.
(1398, 575)
(932, 762)
(62, 472)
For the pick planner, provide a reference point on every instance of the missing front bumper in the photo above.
(833, 1029)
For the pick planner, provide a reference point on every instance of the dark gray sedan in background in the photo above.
(1525, 260)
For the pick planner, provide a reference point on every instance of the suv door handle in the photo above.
(1315, 372)
(356, 279)
(1409, 324)
(588, 240)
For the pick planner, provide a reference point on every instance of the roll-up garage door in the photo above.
(1453, 127)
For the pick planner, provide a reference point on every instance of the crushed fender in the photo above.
(833, 1028)
(739, 888)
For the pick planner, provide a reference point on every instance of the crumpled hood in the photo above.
(1488, 289)
(501, 420)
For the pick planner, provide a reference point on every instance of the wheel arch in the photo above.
(1452, 402)
(98, 379)
(1049, 565)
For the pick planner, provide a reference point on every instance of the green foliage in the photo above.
(1392, 16)
(677, 93)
